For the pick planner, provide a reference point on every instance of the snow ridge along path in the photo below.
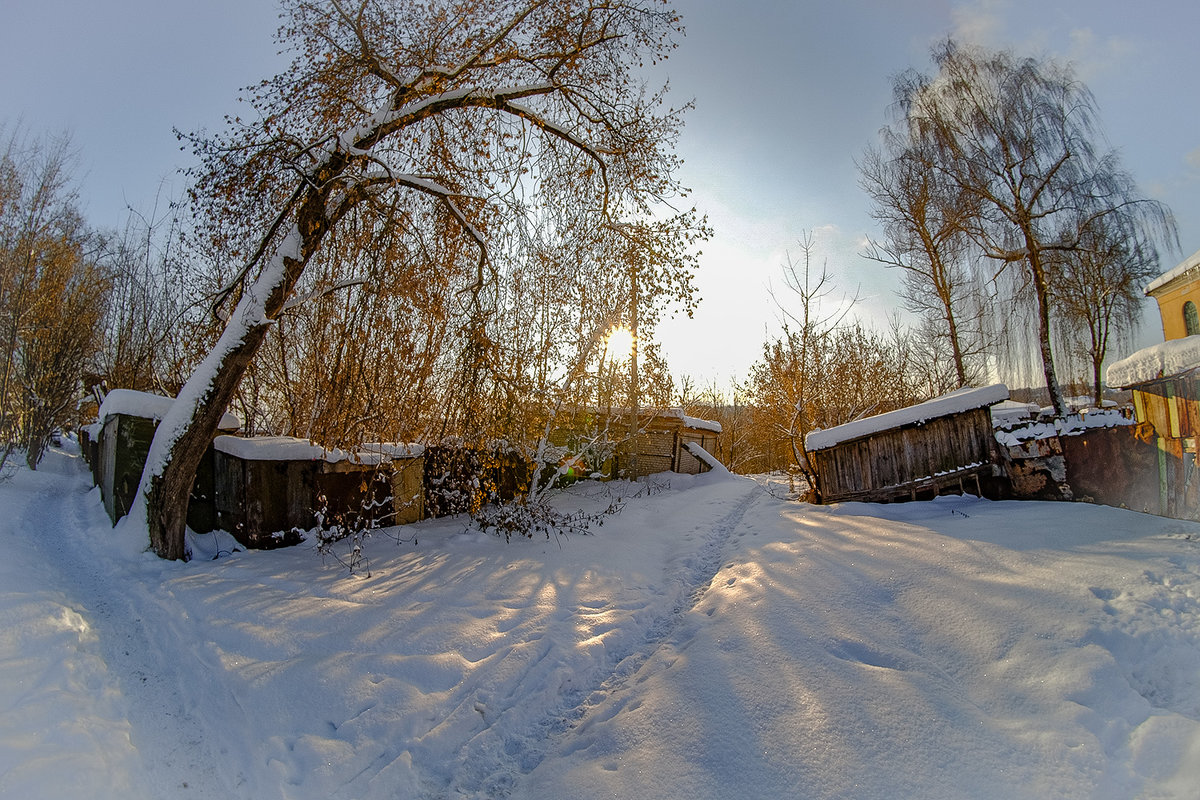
(135, 638)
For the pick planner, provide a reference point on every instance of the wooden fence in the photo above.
(267, 491)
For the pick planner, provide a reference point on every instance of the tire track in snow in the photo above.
(521, 751)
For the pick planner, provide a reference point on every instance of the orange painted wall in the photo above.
(1170, 308)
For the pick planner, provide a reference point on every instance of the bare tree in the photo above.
(458, 109)
(1098, 288)
(925, 219)
(791, 371)
(52, 293)
(153, 306)
(1019, 136)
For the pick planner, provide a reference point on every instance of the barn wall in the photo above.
(891, 463)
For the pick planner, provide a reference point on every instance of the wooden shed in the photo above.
(919, 451)
(599, 442)
(661, 445)
(1165, 382)
(127, 423)
(270, 489)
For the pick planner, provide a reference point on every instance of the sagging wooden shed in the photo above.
(601, 443)
(127, 422)
(270, 489)
(1165, 383)
(661, 445)
(910, 453)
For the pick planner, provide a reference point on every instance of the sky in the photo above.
(787, 95)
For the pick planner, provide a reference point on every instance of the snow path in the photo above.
(492, 772)
(62, 717)
(133, 635)
(930, 650)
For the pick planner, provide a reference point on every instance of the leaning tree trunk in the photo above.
(169, 491)
(189, 427)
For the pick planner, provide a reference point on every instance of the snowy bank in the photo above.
(709, 641)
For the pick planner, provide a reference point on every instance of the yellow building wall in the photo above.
(1170, 308)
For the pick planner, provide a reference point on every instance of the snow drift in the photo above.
(710, 641)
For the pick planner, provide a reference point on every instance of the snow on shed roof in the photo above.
(287, 448)
(133, 403)
(693, 422)
(394, 449)
(1187, 265)
(1157, 361)
(954, 403)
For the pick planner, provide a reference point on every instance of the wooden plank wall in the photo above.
(265, 503)
(687, 463)
(891, 461)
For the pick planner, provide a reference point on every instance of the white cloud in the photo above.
(979, 22)
(1094, 56)
(1193, 158)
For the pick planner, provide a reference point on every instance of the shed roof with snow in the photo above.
(132, 403)
(957, 402)
(1159, 361)
(1165, 379)
(287, 448)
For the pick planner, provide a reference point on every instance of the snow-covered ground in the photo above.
(710, 641)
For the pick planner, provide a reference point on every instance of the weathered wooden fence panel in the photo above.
(1115, 467)
(269, 490)
(128, 420)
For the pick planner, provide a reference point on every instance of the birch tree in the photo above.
(392, 111)
(925, 217)
(1099, 291)
(1020, 137)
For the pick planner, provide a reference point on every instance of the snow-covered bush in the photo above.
(528, 517)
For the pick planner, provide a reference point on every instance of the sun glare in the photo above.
(620, 343)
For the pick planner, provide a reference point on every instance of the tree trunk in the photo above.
(192, 422)
(635, 410)
(167, 499)
(959, 368)
(1043, 307)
